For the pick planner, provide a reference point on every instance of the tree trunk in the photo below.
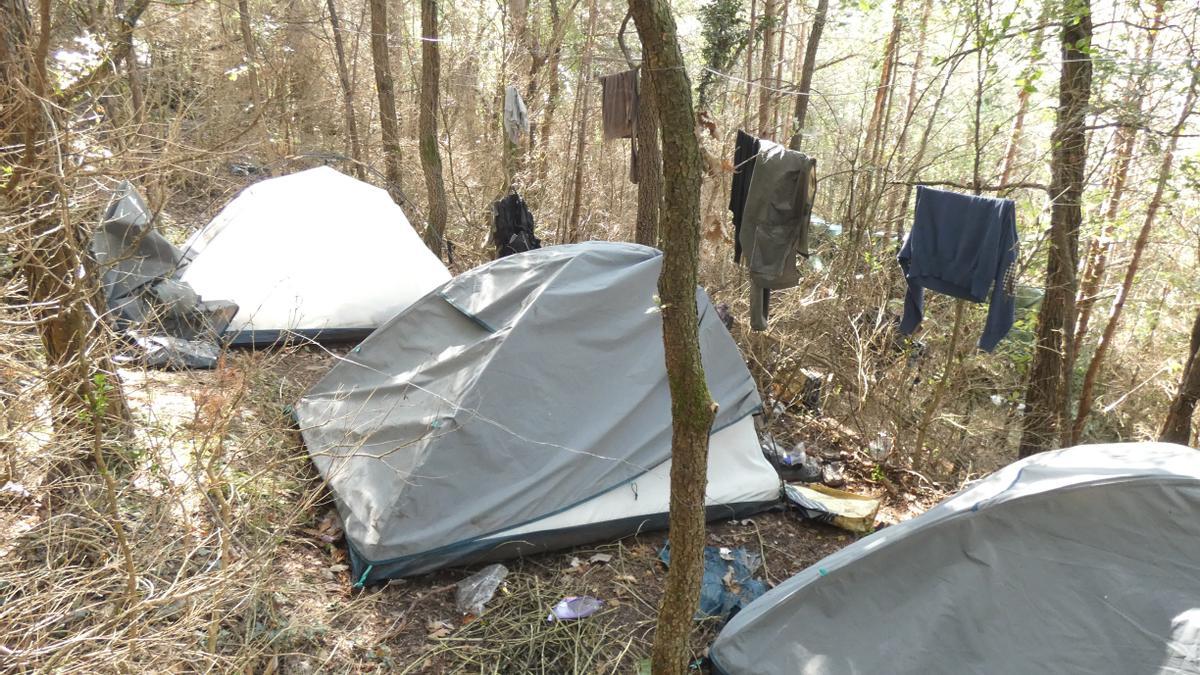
(751, 30)
(251, 51)
(692, 409)
(770, 29)
(1046, 390)
(1018, 128)
(779, 60)
(431, 157)
(1086, 393)
(649, 154)
(1177, 428)
(806, 75)
(347, 90)
(884, 91)
(62, 286)
(1126, 136)
(583, 91)
(553, 91)
(388, 121)
(910, 105)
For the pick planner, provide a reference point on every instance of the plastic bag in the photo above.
(575, 607)
(476, 590)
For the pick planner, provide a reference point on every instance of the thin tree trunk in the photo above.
(553, 91)
(779, 59)
(583, 91)
(347, 90)
(750, 33)
(1100, 249)
(649, 155)
(431, 157)
(1086, 393)
(770, 29)
(388, 121)
(1177, 428)
(61, 282)
(806, 75)
(883, 92)
(910, 105)
(692, 409)
(1046, 390)
(251, 51)
(1018, 129)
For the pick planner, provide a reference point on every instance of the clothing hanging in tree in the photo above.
(775, 220)
(512, 227)
(961, 245)
(516, 117)
(745, 152)
(619, 111)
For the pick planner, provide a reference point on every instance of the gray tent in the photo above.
(162, 316)
(1085, 560)
(521, 406)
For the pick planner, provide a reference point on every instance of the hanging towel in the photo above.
(512, 227)
(516, 117)
(775, 222)
(961, 245)
(619, 104)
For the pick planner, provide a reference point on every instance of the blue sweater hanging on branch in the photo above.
(961, 245)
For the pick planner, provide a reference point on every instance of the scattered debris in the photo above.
(439, 629)
(476, 590)
(881, 447)
(729, 583)
(575, 607)
(600, 558)
(833, 474)
(846, 510)
(12, 490)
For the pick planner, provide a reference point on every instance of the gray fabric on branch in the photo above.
(1082, 560)
(619, 104)
(775, 222)
(167, 323)
(516, 117)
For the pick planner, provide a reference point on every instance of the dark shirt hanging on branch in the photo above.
(619, 108)
(745, 152)
(961, 245)
(512, 227)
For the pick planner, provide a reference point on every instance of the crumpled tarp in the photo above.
(728, 584)
(163, 320)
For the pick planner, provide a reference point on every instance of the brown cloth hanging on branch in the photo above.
(619, 106)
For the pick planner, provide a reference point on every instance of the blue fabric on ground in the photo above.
(718, 599)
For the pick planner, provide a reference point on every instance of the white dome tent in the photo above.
(523, 406)
(316, 254)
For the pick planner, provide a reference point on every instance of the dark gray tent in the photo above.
(166, 320)
(1085, 560)
(521, 406)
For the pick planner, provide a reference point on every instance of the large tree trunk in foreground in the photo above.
(1046, 392)
(1178, 426)
(431, 157)
(347, 90)
(388, 122)
(806, 74)
(1086, 394)
(692, 408)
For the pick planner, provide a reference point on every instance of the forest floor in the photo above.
(218, 493)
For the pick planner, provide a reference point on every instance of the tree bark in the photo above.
(1018, 129)
(388, 121)
(251, 51)
(806, 75)
(1046, 391)
(583, 91)
(1086, 393)
(692, 409)
(910, 105)
(649, 154)
(431, 157)
(1099, 251)
(62, 285)
(1177, 428)
(347, 90)
(770, 29)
